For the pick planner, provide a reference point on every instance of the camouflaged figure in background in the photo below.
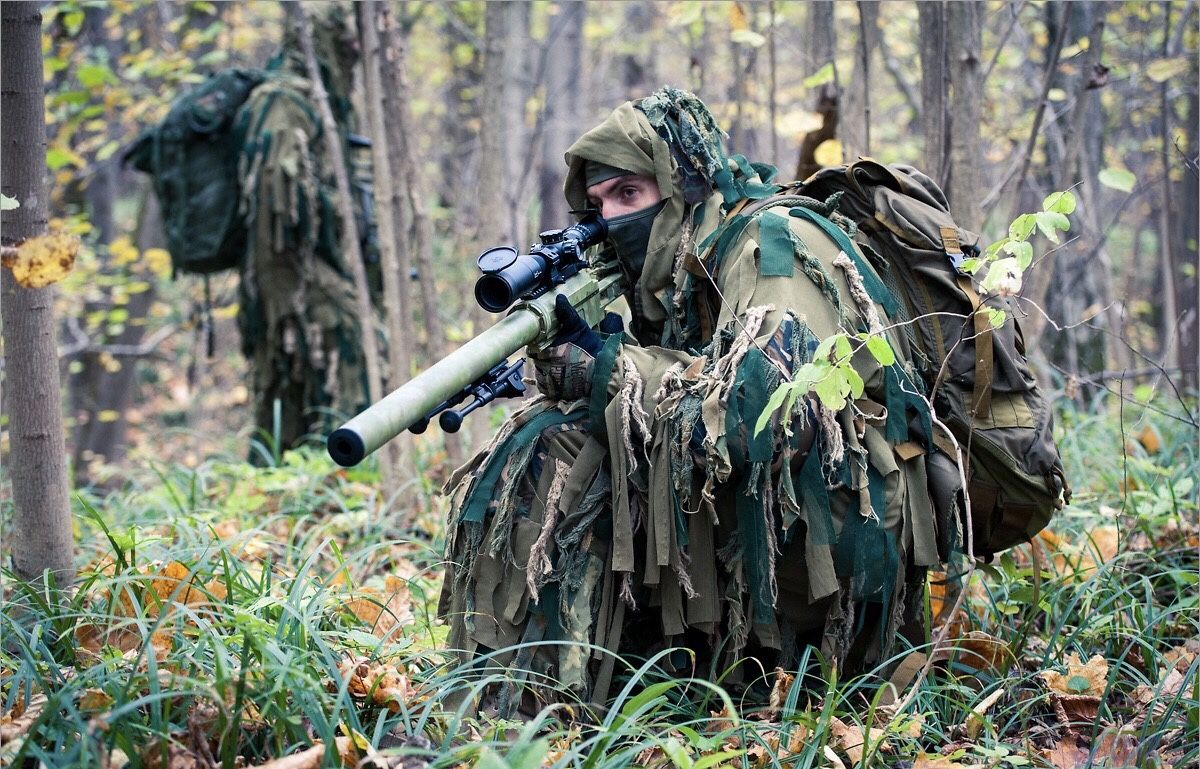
(646, 513)
(298, 317)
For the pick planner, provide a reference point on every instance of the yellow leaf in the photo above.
(43, 260)
(1082, 678)
(925, 761)
(95, 701)
(159, 260)
(828, 153)
(108, 415)
(122, 251)
(737, 17)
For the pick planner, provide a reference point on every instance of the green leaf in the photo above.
(1078, 684)
(57, 157)
(1060, 202)
(528, 755)
(879, 347)
(854, 381)
(7, 203)
(747, 37)
(969, 266)
(842, 348)
(823, 349)
(820, 77)
(1049, 223)
(94, 75)
(1022, 250)
(73, 21)
(773, 403)
(996, 317)
(675, 750)
(1022, 227)
(832, 389)
(1118, 179)
(105, 152)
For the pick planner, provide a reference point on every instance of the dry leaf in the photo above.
(313, 757)
(95, 701)
(384, 610)
(383, 683)
(779, 692)
(976, 717)
(849, 738)
(981, 651)
(18, 720)
(926, 761)
(1067, 754)
(1116, 748)
(43, 260)
(1080, 679)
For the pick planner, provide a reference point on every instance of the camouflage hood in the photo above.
(671, 137)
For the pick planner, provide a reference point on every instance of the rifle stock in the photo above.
(530, 322)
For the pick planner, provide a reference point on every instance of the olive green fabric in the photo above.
(595, 172)
(814, 531)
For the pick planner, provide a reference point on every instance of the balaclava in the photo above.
(669, 136)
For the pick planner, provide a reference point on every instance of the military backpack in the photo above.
(978, 377)
(192, 157)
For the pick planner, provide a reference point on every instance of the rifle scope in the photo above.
(509, 276)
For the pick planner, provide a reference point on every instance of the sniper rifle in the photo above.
(479, 372)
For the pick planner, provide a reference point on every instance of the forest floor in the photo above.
(230, 616)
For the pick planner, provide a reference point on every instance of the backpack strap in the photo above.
(981, 396)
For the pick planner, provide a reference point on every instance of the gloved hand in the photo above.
(563, 370)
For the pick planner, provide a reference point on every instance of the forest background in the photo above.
(1001, 102)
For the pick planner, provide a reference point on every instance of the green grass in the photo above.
(281, 590)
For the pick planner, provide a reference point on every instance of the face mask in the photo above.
(629, 235)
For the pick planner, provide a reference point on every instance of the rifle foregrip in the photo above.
(530, 322)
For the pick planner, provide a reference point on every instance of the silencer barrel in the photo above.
(398, 410)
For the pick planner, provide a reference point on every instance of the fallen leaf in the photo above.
(934, 761)
(95, 701)
(981, 651)
(1080, 679)
(17, 721)
(382, 683)
(1067, 754)
(779, 692)
(978, 713)
(1116, 748)
(42, 260)
(311, 758)
(384, 610)
(849, 738)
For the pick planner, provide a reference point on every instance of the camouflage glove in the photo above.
(563, 370)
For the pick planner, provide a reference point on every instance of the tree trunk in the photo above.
(349, 235)
(100, 399)
(935, 82)
(964, 176)
(41, 540)
(381, 110)
(856, 129)
(819, 31)
(495, 180)
(563, 112)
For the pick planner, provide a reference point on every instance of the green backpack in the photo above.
(982, 386)
(192, 157)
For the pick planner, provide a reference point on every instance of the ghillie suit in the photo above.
(298, 316)
(649, 514)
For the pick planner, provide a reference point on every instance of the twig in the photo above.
(1004, 39)
(82, 343)
(1048, 80)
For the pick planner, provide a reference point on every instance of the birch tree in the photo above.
(41, 536)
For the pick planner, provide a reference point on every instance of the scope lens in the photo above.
(496, 291)
(493, 292)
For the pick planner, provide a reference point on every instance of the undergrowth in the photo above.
(228, 615)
